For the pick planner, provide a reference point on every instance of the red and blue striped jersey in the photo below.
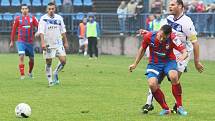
(161, 52)
(25, 25)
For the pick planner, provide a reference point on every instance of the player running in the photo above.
(53, 41)
(185, 31)
(162, 60)
(26, 25)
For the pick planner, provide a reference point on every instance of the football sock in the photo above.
(59, 67)
(177, 91)
(31, 65)
(149, 97)
(159, 97)
(22, 69)
(49, 72)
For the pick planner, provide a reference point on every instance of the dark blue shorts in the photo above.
(25, 49)
(159, 70)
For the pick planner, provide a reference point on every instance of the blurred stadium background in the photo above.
(201, 12)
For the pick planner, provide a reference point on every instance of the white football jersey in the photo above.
(184, 29)
(52, 28)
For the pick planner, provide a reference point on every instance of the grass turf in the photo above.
(99, 90)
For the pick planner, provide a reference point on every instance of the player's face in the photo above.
(161, 36)
(24, 10)
(85, 20)
(173, 7)
(51, 10)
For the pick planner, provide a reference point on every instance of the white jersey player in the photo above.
(184, 29)
(54, 41)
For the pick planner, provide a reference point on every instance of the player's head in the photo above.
(24, 9)
(84, 20)
(91, 18)
(176, 6)
(51, 8)
(164, 32)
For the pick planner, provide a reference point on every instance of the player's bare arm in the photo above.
(139, 56)
(199, 66)
(43, 45)
(183, 56)
(65, 41)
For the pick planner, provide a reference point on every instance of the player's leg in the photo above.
(90, 47)
(158, 95)
(171, 70)
(30, 53)
(80, 45)
(149, 102)
(21, 52)
(49, 54)
(95, 47)
(21, 66)
(85, 46)
(61, 54)
(48, 69)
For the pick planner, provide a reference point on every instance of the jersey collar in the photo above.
(182, 14)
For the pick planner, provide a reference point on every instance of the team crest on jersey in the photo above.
(167, 46)
(179, 28)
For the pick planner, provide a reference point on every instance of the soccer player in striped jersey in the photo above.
(184, 29)
(53, 41)
(162, 60)
(26, 25)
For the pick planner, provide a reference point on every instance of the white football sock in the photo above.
(59, 67)
(149, 97)
(49, 72)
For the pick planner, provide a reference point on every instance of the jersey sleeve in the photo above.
(14, 26)
(41, 26)
(177, 44)
(35, 21)
(62, 27)
(145, 41)
(189, 30)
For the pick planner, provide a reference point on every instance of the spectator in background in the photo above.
(157, 6)
(67, 6)
(83, 42)
(210, 22)
(191, 7)
(122, 11)
(200, 7)
(149, 20)
(132, 13)
(92, 33)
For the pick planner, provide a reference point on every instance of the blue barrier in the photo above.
(204, 22)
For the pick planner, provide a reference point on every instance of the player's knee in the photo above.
(153, 85)
(173, 76)
(63, 62)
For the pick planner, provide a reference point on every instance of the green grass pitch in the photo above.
(100, 90)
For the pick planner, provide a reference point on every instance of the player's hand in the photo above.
(142, 32)
(180, 58)
(199, 66)
(11, 44)
(132, 67)
(43, 45)
(37, 35)
(66, 45)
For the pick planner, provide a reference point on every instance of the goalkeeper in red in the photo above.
(25, 24)
(162, 60)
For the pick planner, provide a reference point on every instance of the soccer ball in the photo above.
(23, 110)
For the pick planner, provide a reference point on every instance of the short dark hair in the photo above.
(167, 29)
(51, 3)
(180, 2)
(22, 5)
